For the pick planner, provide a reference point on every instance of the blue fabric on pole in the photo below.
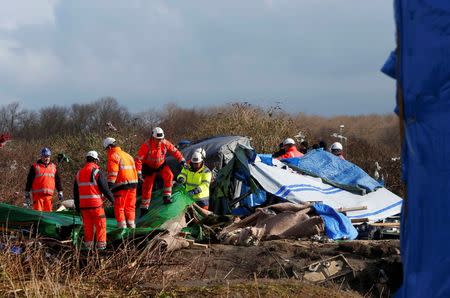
(333, 170)
(337, 225)
(424, 75)
(389, 66)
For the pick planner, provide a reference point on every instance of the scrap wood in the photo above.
(321, 271)
(360, 220)
(192, 244)
(385, 224)
(344, 209)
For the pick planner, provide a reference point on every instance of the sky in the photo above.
(317, 57)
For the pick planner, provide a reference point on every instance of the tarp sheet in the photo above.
(337, 225)
(66, 224)
(423, 27)
(286, 183)
(335, 171)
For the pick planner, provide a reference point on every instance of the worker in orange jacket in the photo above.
(90, 183)
(123, 181)
(42, 180)
(151, 161)
(290, 150)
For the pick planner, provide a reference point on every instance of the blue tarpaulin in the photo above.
(335, 171)
(423, 74)
(337, 225)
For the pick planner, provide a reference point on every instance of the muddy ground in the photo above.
(272, 270)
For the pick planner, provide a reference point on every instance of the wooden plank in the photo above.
(360, 220)
(386, 224)
(343, 209)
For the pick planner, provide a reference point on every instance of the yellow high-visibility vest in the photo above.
(200, 178)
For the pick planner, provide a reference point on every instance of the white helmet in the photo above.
(108, 141)
(196, 157)
(92, 154)
(158, 133)
(201, 151)
(288, 141)
(336, 146)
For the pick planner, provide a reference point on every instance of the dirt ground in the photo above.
(270, 270)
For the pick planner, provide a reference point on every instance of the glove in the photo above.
(195, 191)
(60, 196)
(183, 164)
(27, 202)
(181, 180)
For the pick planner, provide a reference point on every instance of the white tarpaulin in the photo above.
(292, 186)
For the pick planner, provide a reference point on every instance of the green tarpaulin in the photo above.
(68, 225)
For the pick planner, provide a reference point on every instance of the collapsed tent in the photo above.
(68, 225)
(247, 175)
(219, 151)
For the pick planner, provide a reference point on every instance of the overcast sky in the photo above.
(320, 57)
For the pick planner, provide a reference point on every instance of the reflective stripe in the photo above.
(183, 174)
(113, 174)
(191, 184)
(125, 183)
(131, 224)
(121, 224)
(205, 181)
(43, 190)
(89, 244)
(45, 175)
(127, 167)
(87, 183)
(91, 196)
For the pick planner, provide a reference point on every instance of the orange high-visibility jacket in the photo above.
(89, 193)
(291, 152)
(153, 154)
(121, 168)
(44, 180)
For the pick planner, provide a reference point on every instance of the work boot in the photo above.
(144, 211)
(167, 200)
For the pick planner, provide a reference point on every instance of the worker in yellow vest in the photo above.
(197, 178)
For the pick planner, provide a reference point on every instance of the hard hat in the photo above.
(158, 133)
(108, 141)
(45, 152)
(336, 146)
(201, 151)
(288, 141)
(92, 154)
(196, 157)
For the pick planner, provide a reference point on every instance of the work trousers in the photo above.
(94, 221)
(42, 202)
(125, 208)
(167, 176)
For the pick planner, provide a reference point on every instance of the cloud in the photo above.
(196, 53)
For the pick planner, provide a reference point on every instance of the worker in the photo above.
(304, 147)
(290, 149)
(151, 162)
(43, 178)
(280, 151)
(337, 149)
(90, 183)
(197, 178)
(123, 181)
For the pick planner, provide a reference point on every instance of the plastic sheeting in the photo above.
(285, 183)
(337, 225)
(423, 27)
(67, 224)
(335, 171)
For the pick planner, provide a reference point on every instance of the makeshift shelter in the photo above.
(422, 70)
(219, 151)
(253, 181)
